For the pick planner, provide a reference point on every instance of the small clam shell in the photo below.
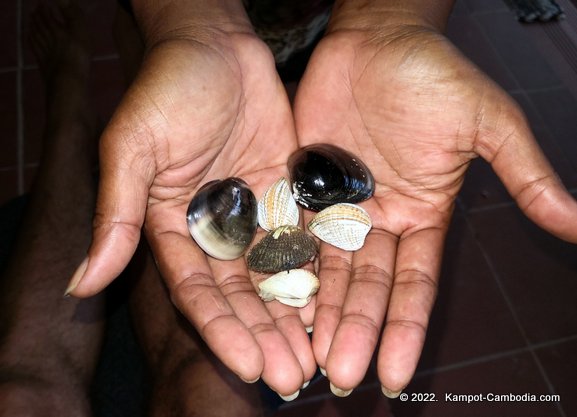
(284, 248)
(294, 288)
(277, 207)
(342, 225)
(222, 218)
(323, 174)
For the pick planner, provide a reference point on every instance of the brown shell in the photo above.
(284, 248)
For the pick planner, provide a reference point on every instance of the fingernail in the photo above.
(390, 394)
(306, 384)
(250, 382)
(75, 280)
(309, 329)
(340, 392)
(290, 397)
(323, 371)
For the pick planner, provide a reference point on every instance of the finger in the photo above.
(334, 275)
(126, 175)
(412, 297)
(195, 293)
(363, 312)
(520, 163)
(288, 322)
(281, 371)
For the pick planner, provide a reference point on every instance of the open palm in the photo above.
(199, 112)
(416, 112)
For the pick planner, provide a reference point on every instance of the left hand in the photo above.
(416, 112)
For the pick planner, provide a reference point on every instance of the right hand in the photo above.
(198, 111)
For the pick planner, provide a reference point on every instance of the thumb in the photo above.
(126, 174)
(529, 177)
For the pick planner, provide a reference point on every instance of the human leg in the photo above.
(49, 344)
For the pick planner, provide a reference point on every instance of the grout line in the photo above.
(494, 356)
(19, 102)
(530, 347)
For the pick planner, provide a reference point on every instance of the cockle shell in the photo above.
(222, 218)
(284, 248)
(294, 288)
(324, 174)
(342, 225)
(277, 207)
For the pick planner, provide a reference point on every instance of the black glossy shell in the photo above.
(286, 247)
(324, 174)
(222, 218)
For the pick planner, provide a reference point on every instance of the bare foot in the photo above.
(49, 345)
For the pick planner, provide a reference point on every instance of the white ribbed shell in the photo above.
(277, 207)
(294, 288)
(343, 225)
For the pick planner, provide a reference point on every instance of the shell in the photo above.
(284, 248)
(342, 225)
(277, 207)
(222, 218)
(294, 288)
(323, 175)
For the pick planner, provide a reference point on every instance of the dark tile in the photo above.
(560, 363)
(537, 271)
(8, 46)
(517, 50)
(8, 119)
(545, 130)
(459, 9)
(470, 317)
(8, 184)
(482, 187)
(510, 375)
(483, 6)
(368, 402)
(466, 34)
(558, 108)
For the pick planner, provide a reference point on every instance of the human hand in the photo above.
(207, 104)
(406, 102)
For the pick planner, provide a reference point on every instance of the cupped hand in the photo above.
(416, 112)
(199, 110)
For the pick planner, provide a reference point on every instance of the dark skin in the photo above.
(417, 112)
(396, 93)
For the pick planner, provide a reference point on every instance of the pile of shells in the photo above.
(223, 217)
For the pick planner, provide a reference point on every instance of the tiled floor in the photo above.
(506, 317)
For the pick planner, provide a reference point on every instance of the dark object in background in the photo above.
(535, 11)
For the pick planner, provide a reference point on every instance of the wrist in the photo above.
(381, 15)
(161, 20)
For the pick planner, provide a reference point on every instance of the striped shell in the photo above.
(342, 225)
(277, 207)
(286, 247)
(294, 288)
